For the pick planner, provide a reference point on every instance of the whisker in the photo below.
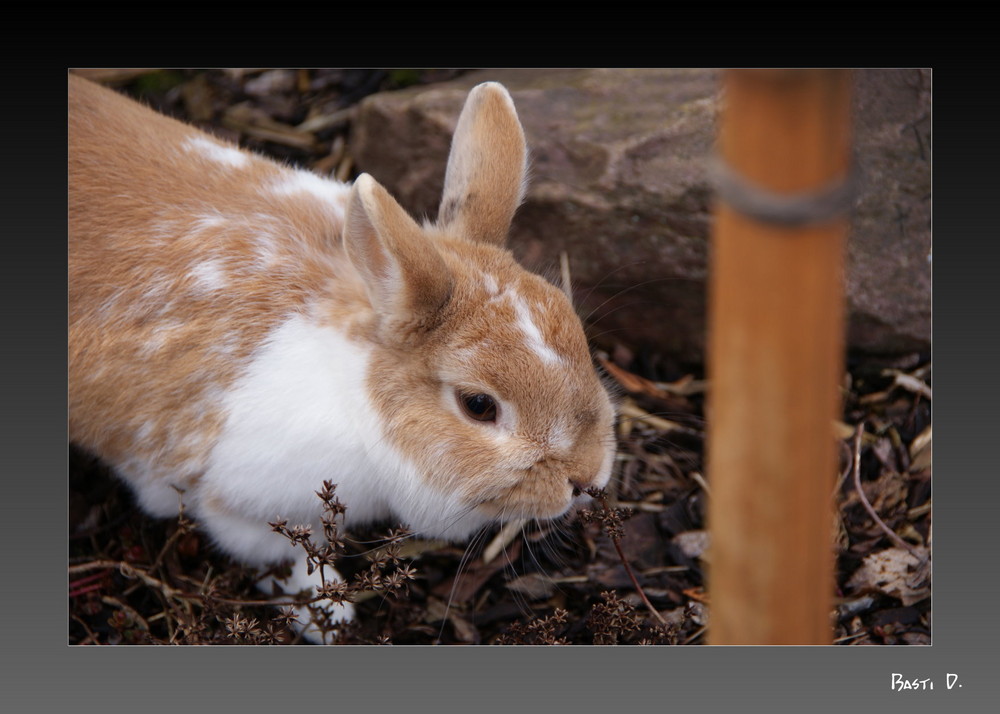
(627, 289)
(683, 428)
(462, 564)
(602, 281)
(519, 598)
(543, 543)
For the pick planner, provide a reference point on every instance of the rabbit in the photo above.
(241, 331)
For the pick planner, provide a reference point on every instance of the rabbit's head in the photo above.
(480, 372)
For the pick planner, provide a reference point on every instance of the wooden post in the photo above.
(776, 353)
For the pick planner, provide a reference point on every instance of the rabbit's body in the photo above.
(240, 331)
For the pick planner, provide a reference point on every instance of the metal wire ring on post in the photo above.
(796, 209)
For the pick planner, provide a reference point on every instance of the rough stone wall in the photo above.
(619, 182)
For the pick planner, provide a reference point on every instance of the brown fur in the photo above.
(529, 475)
(148, 351)
(168, 304)
(485, 183)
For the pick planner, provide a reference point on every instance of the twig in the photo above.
(864, 500)
(86, 584)
(628, 410)
(94, 565)
(612, 526)
(635, 582)
(508, 531)
(323, 122)
(86, 589)
(91, 637)
(567, 283)
(695, 636)
(847, 469)
(130, 571)
(855, 636)
(344, 170)
(700, 480)
(909, 383)
(182, 528)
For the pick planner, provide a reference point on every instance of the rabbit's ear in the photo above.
(405, 277)
(487, 167)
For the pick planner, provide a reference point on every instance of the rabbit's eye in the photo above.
(480, 407)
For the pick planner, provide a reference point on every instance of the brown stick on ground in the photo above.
(775, 361)
(856, 470)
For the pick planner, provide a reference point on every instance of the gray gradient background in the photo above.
(39, 671)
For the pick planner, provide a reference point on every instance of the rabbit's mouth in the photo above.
(512, 506)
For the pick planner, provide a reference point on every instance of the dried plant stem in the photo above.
(848, 638)
(93, 565)
(85, 585)
(130, 571)
(91, 637)
(508, 531)
(700, 480)
(635, 582)
(631, 411)
(695, 636)
(174, 537)
(611, 522)
(847, 469)
(567, 282)
(864, 500)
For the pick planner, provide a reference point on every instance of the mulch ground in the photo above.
(593, 578)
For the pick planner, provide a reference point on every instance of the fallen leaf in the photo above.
(692, 543)
(533, 585)
(887, 493)
(438, 611)
(920, 451)
(696, 594)
(466, 583)
(884, 453)
(910, 383)
(920, 441)
(895, 572)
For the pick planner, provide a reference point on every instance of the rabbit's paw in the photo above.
(316, 621)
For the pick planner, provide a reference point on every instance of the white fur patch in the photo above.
(161, 336)
(267, 241)
(217, 153)
(208, 221)
(560, 438)
(492, 288)
(155, 495)
(332, 194)
(302, 414)
(533, 336)
(604, 474)
(294, 419)
(145, 431)
(209, 276)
